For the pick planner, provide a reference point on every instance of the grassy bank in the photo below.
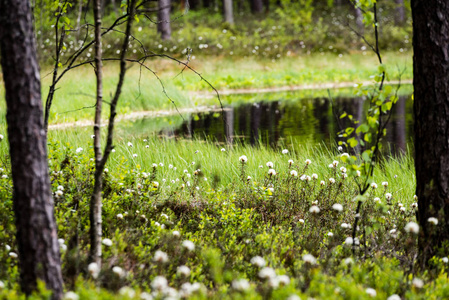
(76, 94)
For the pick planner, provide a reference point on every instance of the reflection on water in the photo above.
(308, 121)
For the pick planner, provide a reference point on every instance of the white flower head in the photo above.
(159, 283)
(176, 233)
(418, 283)
(412, 227)
(314, 176)
(371, 292)
(290, 162)
(322, 183)
(70, 295)
(258, 261)
(388, 196)
(330, 234)
(394, 297)
(385, 184)
(78, 150)
(309, 258)
(189, 245)
(118, 271)
(374, 185)
(160, 257)
(267, 273)
(243, 159)
(285, 151)
(314, 209)
(271, 172)
(344, 155)
(445, 260)
(303, 177)
(433, 220)
(130, 144)
(93, 270)
(269, 164)
(107, 242)
(335, 163)
(337, 207)
(240, 285)
(183, 270)
(223, 149)
(358, 173)
(308, 162)
(331, 180)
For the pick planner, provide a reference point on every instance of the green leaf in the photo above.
(353, 142)
(362, 128)
(343, 115)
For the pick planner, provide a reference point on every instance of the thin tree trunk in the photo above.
(95, 203)
(431, 113)
(359, 20)
(163, 19)
(228, 11)
(78, 20)
(256, 6)
(33, 204)
(400, 12)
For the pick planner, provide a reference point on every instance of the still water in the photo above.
(276, 122)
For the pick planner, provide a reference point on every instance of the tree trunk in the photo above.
(95, 203)
(431, 113)
(33, 204)
(256, 6)
(359, 20)
(163, 19)
(228, 12)
(400, 12)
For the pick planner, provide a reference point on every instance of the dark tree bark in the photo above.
(431, 113)
(163, 19)
(33, 204)
(256, 6)
(359, 20)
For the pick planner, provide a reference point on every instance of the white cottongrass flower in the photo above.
(322, 183)
(92, 136)
(127, 292)
(330, 234)
(187, 289)
(394, 297)
(243, 159)
(309, 258)
(183, 270)
(271, 172)
(418, 283)
(223, 149)
(331, 166)
(267, 273)
(371, 292)
(314, 176)
(385, 184)
(160, 257)
(303, 177)
(107, 242)
(283, 280)
(147, 146)
(240, 285)
(60, 188)
(344, 155)
(414, 205)
(93, 270)
(176, 233)
(343, 170)
(293, 297)
(301, 221)
(412, 227)
(1, 137)
(337, 207)
(269, 164)
(308, 178)
(154, 165)
(159, 283)
(377, 199)
(388, 196)
(335, 163)
(445, 260)
(290, 162)
(258, 261)
(189, 245)
(130, 144)
(155, 184)
(415, 197)
(374, 185)
(285, 151)
(13, 255)
(358, 173)
(331, 180)
(134, 155)
(308, 162)
(314, 209)
(350, 241)
(119, 216)
(58, 193)
(118, 271)
(433, 220)
(248, 178)
(70, 295)
(78, 150)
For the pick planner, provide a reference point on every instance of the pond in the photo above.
(275, 122)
